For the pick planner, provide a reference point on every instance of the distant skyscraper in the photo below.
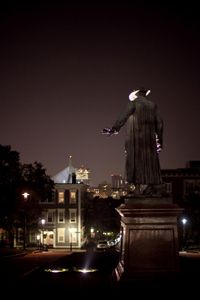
(83, 175)
(117, 181)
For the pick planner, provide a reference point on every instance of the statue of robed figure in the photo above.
(143, 142)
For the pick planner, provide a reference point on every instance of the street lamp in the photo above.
(92, 233)
(184, 222)
(38, 241)
(71, 230)
(42, 241)
(25, 195)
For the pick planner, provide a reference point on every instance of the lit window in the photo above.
(61, 235)
(61, 197)
(73, 235)
(72, 197)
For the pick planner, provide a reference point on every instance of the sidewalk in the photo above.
(6, 252)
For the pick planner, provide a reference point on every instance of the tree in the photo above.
(103, 216)
(10, 177)
(36, 181)
(15, 179)
(39, 187)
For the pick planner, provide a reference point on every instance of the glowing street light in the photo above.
(184, 222)
(92, 233)
(43, 223)
(25, 195)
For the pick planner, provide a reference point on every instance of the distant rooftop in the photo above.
(67, 174)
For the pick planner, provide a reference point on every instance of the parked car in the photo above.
(115, 242)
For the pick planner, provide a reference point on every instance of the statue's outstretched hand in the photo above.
(109, 131)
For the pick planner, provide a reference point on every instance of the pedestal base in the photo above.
(149, 244)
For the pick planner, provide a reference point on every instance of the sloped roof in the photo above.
(65, 176)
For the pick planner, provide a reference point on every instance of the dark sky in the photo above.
(66, 72)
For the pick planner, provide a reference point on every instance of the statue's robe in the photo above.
(144, 124)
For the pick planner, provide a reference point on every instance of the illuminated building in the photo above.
(64, 226)
(117, 181)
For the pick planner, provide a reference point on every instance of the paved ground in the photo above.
(100, 283)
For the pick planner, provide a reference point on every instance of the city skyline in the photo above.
(67, 70)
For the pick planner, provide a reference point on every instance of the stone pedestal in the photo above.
(149, 244)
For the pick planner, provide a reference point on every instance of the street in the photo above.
(88, 273)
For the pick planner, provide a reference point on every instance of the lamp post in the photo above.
(70, 237)
(184, 222)
(73, 237)
(25, 195)
(38, 241)
(42, 241)
(92, 233)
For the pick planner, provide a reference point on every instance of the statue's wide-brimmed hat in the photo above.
(141, 90)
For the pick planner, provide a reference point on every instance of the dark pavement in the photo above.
(63, 277)
(85, 271)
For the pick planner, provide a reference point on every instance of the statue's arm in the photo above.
(121, 120)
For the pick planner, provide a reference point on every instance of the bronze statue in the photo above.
(144, 140)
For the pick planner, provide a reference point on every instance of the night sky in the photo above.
(66, 72)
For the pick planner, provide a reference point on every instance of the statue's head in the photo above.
(143, 91)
